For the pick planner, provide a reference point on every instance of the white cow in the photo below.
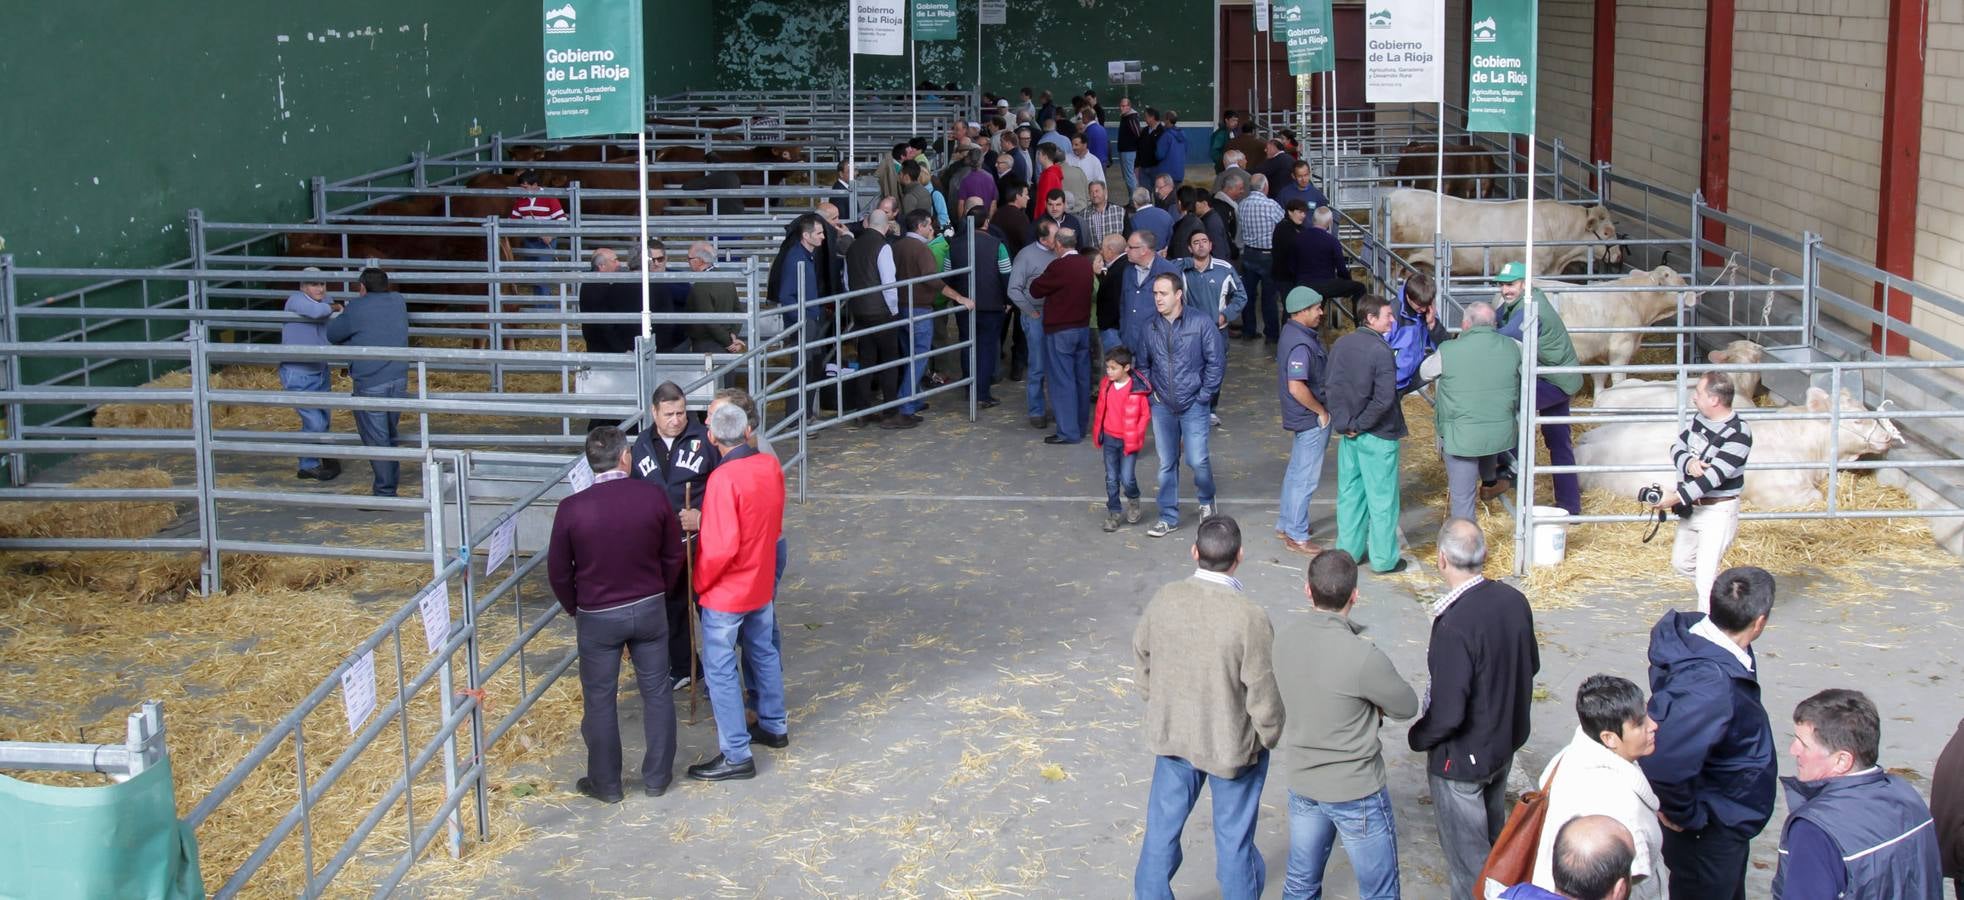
(1476, 221)
(1638, 393)
(1645, 298)
(1767, 485)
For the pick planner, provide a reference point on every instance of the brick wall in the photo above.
(1562, 97)
(1660, 63)
(1940, 193)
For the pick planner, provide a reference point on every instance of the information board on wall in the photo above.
(993, 12)
(1125, 71)
(1404, 52)
(1501, 74)
(1261, 15)
(593, 73)
(879, 27)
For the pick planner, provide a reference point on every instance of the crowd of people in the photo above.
(1652, 797)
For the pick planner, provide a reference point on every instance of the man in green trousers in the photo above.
(1368, 422)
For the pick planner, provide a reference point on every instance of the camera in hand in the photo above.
(1650, 494)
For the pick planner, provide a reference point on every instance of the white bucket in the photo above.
(1550, 539)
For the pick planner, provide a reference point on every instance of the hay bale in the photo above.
(94, 518)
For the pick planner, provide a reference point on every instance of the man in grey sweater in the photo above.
(1212, 713)
(1030, 263)
(1338, 687)
(378, 317)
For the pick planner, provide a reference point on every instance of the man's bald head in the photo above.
(828, 211)
(1592, 859)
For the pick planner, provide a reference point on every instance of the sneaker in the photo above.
(679, 682)
(1111, 522)
(1306, 548)
(1161, 528)
(1206, 510)
(1214, 420)
(1133, 513)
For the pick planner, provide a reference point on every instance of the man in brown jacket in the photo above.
(1947, 808)
(913, 260)
(1212, 713)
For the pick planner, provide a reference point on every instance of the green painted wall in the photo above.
(1061, 45)
(681, 45)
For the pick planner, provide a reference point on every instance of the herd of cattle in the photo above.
(1572, 238)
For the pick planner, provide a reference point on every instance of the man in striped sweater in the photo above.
(1710, 457)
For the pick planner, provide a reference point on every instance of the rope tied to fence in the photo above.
(477, 694)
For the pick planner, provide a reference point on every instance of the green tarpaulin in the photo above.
(119, 840)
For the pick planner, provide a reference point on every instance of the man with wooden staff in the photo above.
(677, 455)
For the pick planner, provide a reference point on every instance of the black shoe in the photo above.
(656, 791)
(1036, 422)
(1251, 336)
(774, 741)
(1058, 439)
(316, 473)
(586, 786)
(899, 421)
(862, 421)
(988, 404)
(719, 769)
(924, 408)
(1400, 566)
(330, 469)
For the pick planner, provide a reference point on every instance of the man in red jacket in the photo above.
(742, 516)
(616, 552)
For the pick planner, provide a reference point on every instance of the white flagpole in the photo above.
(913, 91)
(978, 56)
(852, 84)
(1441, 268)
(641, 178)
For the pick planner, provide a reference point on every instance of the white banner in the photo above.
(993, 12)
(879, 27)
(1261, 15)
(1404, 51)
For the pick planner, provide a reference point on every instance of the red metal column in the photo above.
(1902, 154)
(1715, 156)
(1602, 83)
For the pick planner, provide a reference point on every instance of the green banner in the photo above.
(593, 78)
(934, 20)
(1306, 29)
(1500, 79)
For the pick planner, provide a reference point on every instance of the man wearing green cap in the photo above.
(1299, 362)
(1362, 398)
(1551, 392)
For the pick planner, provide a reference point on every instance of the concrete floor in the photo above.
(963, 712)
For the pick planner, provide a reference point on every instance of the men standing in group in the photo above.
(1183, 357)
(1024, 270)
(1065, 289)
(1714, 770)
(1096, 141)
(1368, 422)
(736, 577)
(1128, 144)
(869, 263)
(1136, 306)
(1278, 166)
(1321, 263)
(1212, 714)
(677, 455)
(378, 317)
(1257, 217)
(718, 297)
(1299, 362)
(1853, 830)
(1482, 660)
(1597, 774)
(1055, 213)
(912, 259)
(312, 309)
(1101, 217)
(614, 559)
(992, 271)
(609, 297)
(1211, 285)
(1299, 187)
(1710, 458)
(1477, 406)
(1591, 861)
(1551, 392)
(1338, 687)
(1150, 218)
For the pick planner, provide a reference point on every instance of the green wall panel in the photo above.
(1060, 46)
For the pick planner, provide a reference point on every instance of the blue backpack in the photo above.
(1410, 341)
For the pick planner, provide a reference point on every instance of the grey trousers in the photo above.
(642, 628)
(1464, 475)
(1470, 815)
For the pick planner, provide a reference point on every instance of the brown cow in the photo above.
(1469, 169)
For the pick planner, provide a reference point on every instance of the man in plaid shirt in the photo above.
(1259, 215)
(1102, 217)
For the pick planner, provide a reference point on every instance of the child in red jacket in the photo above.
(1118, 425)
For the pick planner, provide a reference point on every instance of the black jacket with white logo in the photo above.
(683, 464)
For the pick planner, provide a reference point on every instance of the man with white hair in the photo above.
(1482, 659)
(711, 297)
(1478, 405)
(1258, 215)
(1151, 218)
(312, 309)
(735, 577)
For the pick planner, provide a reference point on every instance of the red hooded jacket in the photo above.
(1128, 419)
(742, 516)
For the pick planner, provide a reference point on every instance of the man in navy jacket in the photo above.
(1182, 356)
(1714, 771)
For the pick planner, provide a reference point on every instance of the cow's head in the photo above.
(1666, 277)
(1857, 436)
(1602, 228)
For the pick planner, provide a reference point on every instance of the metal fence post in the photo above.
(422, 178)
(195, 226)
(210, 581)
(755, 366)
(1555, 166)
(16, 461)
(1602, 182)
(804, 403)
(1810, 275)
(1697, 234)
(496, 337)
(472, 678)
(974, 363)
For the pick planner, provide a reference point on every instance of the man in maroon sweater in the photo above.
(616, 552)
(1065, 287)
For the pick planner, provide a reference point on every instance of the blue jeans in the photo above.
(1300, 480)
(1034, 370)
(921, 333)
(543, 254)
(1069, 373)
(1127, 162)
(1370, 836)
(724, 635)
(307, 377)
(1121, 473)
(1109, 339)
(1256, 278)
(378, 429)
(988, 351)
(1172, 434)
(777, 634)
(1238, 864)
